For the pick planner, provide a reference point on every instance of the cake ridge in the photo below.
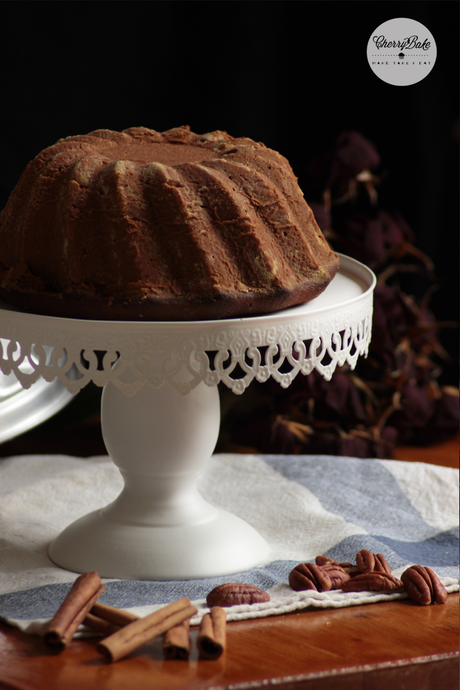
(210, 244)
(217, 241)
(267, 213)
(261, 274)
(294, 195)
(267, 205)
(132, 218)
(182, 208)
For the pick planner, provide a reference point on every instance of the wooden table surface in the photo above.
(387, 646)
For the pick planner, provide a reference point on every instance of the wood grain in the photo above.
(445, 453)
(382, 646)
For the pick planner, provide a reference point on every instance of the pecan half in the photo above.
(337, 574)
(423, 585)
(367, 561)
(233, 593)
(325, 560)
(349, 568)
(372, 581)
(310, 576)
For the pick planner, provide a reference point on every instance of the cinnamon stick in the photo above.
(81, 597)
(142, 630)
(108, 619)
(112, 614)
(100, 625)
(212, 634)
(176, 641)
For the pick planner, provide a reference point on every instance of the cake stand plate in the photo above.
(21, 409)
(160, 417)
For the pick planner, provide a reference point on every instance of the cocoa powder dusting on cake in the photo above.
(153, 225)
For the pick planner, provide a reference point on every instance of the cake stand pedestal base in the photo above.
(159, 527)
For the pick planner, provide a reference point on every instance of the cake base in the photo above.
(218, 306)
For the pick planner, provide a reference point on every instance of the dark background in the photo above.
(290, 74)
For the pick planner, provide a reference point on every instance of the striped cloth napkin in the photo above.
(303, 506)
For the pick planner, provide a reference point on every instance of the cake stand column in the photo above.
(159, 527)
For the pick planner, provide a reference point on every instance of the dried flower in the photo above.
(338, 172)
(370, 237)
(393, 395)
(353, 154)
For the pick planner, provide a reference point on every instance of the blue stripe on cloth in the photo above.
(43, 602)
(439, 552)
(436, 552)
(365, 493)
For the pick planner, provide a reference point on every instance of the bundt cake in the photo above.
(160, 226)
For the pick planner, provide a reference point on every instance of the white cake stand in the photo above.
(160, 417)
